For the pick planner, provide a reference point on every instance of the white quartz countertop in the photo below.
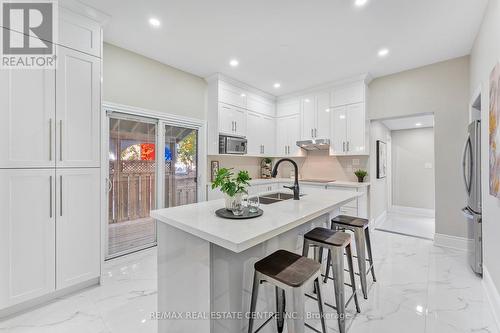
(301, 181)
(200, 220)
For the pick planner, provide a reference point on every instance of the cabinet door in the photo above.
(78, 226)
(254, 138)
(27, 234)
(78, 101)
(27, 110)
(308, 115)
(288, 107)
(339, 130)
(268, 133)
(239, 116)
(293, 136)
(226, 119)
(232, 95)
(356, 129)
(323, 115)
(281, 136)
(79, 33)
(348, 94)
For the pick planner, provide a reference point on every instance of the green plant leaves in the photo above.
(231, 184)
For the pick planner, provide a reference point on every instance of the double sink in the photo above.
(271, 198)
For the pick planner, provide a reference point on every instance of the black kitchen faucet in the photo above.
(295, 187)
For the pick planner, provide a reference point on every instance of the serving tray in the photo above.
(227, 214)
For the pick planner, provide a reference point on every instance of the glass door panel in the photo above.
(132, 188)
(181, 161)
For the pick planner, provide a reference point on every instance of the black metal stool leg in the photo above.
(280, 309)
(351, 274)
(328, 263)
(370, 255)
(320, 305)
(253, 302)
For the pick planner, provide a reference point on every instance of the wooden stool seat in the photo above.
(351, 221)
(287, 267)
(328, 236)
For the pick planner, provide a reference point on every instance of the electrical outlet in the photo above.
(355, 161)
(428, 165)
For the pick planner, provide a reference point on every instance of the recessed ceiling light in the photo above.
(242, 95)
(418, 124)
(360, 3)
(383, 52)
(234, 63)
(327, 110)
(154, 22)
(277, 85)
(307, 100)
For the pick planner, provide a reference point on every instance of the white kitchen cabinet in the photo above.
(232, 95)
(348, 126)
(357, 207)
(78, 226)
(27, 109)
(232, 120)
(288, 107)
(260, 105)
(78, 82)
(348, 94)
(308, 117)
(27, 234)
(315, 116)
(288, 132)
(260, 134)
(79, 33)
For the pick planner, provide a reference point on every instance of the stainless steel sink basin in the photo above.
(271, 198)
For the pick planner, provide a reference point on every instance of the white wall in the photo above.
(442, 89)
(484, 56)
(379, 188)
(134, 80)
(412, 179)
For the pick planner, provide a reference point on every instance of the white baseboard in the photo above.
(412, 211)
(492, 295)
(453, 242)
(378, 220)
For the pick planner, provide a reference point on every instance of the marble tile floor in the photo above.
(408, 224)
(420, 288)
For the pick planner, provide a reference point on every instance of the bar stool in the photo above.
(359, 227)
(289, 273)
(335, 242)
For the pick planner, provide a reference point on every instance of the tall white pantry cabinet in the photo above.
(50, 170)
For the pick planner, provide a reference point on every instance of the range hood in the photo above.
(314, 144)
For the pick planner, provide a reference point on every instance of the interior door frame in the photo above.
(162, 119)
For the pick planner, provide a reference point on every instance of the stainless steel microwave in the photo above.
(232, 145)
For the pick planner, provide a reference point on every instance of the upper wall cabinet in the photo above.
(260, 134)
(261, 105)
(315, 116)
(78, 105)
(232, 95)
(232, 120)
(79, 33)
(348, 94)
(288, 107)
(348, 126)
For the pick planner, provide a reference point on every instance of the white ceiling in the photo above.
(396, 124)
(299, 43)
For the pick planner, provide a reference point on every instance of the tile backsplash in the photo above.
(316, 165)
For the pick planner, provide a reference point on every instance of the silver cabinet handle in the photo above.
(50, 198)
(312, 133)
(236, 126)
(60, 196)
(263, 149)
(60, 141)
(343, 146)
(347, 145)
(285, 150)
(315, 132)
(50, 139)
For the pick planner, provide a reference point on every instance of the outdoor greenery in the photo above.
(231, 184)
(187, 150)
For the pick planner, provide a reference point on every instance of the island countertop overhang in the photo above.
(199, 219)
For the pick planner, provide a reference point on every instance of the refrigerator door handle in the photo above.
(467, 146)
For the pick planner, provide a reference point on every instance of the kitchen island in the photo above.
(205, 263)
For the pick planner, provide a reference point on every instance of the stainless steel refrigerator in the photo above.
(472, 179)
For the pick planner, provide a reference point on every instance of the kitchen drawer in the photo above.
(353, 204)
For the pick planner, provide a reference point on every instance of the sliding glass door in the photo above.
(181, 161)
(138, 184)
(132, 185)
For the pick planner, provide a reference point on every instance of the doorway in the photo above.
(137, 183)
(411, 176)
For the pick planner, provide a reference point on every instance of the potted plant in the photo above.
(361, 174)
(233, 186)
